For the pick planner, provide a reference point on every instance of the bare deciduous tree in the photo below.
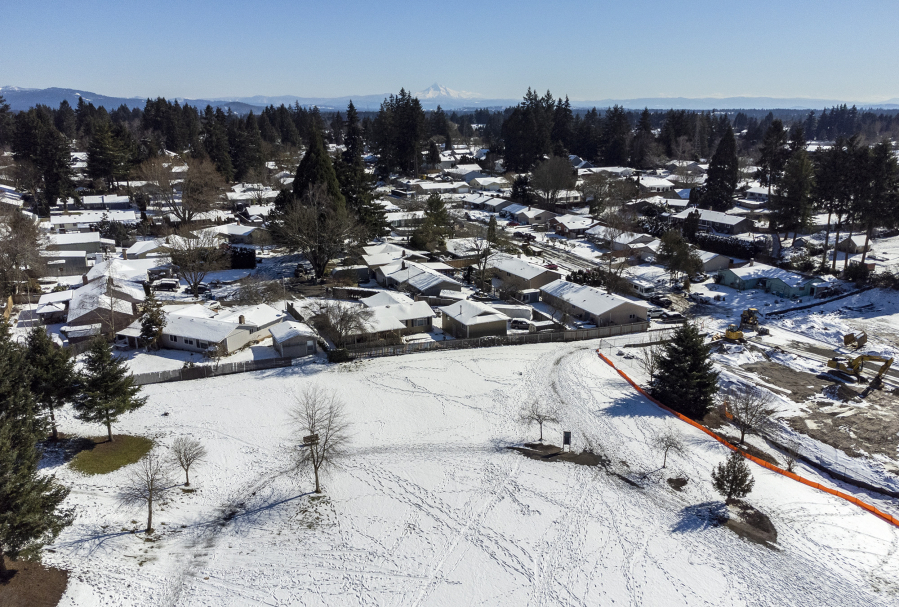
(186, 452)
(749, 406)
(160, 183)
(649, 359)
(21, 242)
(668, 440)
(551, 177)
(539, 413)
(201, 190)
(319, 413)
(342, 319)
(315, 226)
(196, 255)
(148, 485)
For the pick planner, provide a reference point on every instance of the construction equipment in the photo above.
(749, 318)
(733, 333)
(856, 365)
(855, 339)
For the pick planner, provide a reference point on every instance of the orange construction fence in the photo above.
(849, 498)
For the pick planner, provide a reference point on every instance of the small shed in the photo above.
(293, 339)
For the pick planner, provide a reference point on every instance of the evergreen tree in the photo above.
(65, 121)
(436, 227)
(356, 184)
(791, 205)
(616, 137)
(723, 174)
(880, 205)
(53, 377)
(642, 149)
(215, 140)
(30, 516)
(733, 479)
(686, 381)
(6, 123)
(353, 140)
(773, 155)
(152, 322)
(104, 157)
(316, 168)
(433, 154)
(107, 388)
(448, 142)
(491, 230)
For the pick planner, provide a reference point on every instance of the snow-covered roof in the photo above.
(654, 182)
(141, 247)
(587, 298)
(386, 298)
(232, 229)
(518, 267)
(94, 217)
(382, 319)
(514, 209)
(93, 296)
(123, 269)
(258, 315)
(761, 270)
(574, 222)
(76, 238)
(290, 329)
(472, 313)
(711, 216)
(58, 296)
(210, 330)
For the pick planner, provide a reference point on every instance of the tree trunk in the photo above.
(318, 489)
(108, 426)
(665, 459)
(187, 477)
(541, 432)
(836, 243)
(3, 570)
(867, 240)
(150, 515)
(53, 424)
(742, 435)
(826, 241)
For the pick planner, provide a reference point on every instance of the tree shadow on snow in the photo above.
(701, 516)
(632, 406)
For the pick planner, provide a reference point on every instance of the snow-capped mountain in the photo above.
(438, 91)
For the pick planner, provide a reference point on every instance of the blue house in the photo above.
(772, 280)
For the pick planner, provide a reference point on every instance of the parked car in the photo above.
(662, 302)
(166, 284)
(551, 266)
(518, 234)
(528, 236)
(672, 316)
(520, 323)
(513, 224)
(656, 312)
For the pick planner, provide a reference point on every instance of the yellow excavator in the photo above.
(749, 318)
(856, 365)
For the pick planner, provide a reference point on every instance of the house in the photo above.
(572, 226)
(490, 184)
(89, 242)
(386, 254)
(853, 244)
(520, 273)
(712, 262)
(426, 188)
(654, 184)
(54, 307)
(415, 317)
(611, 171)
(293, 339)
(84, 222)
(404, 219)
(144, 248)
(592, 305)
(103, 202)
(257, 320)
(66, 263)
(757, 194)
(772, 280)
(615, 240)
(533, 216)
(109, 302)
(715, 221)
(197, 333)
(467, 319)
(235, 233)
(465, 172)
(415, 278)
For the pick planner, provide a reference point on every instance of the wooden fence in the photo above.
(210, 370)
(499, 340)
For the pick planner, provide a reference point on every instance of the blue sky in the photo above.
(587, 50)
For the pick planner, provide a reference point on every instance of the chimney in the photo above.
(241, 320)
(403, 267)
(125, 255)
(84, 279)
(751, 261)
(403, 253)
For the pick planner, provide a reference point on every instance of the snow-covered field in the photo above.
(429, 508)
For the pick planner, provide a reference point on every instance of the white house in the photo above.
(293, 339)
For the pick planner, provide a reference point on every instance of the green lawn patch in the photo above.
(99, 456)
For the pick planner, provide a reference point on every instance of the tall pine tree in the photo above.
(30, 514)
(686, 381)
(316, 168)
(53, 377)
(723, 173)
(107, 388)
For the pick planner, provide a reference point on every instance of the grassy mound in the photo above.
(99, 456)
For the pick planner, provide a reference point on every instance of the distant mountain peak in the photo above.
(438, 91)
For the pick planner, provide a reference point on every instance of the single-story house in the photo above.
(111, 303)
(376, 256)
(415, 317)
(654, 184)
(853, 244)
(65, 263)
(426, 188)
(490, 184)
(533, 216)
(257, 320)
(523, 274)
(592, 305)
(467, 319)
(712, 262)
(771, 279)
(202, 335)
(404, 219)
(757, 194)
(235, 232)
(83, 222)
(415, 278)
(89, 242)
(572, 226)
(143, 248)
(293, 339)
(103, 202)
(715, 221)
